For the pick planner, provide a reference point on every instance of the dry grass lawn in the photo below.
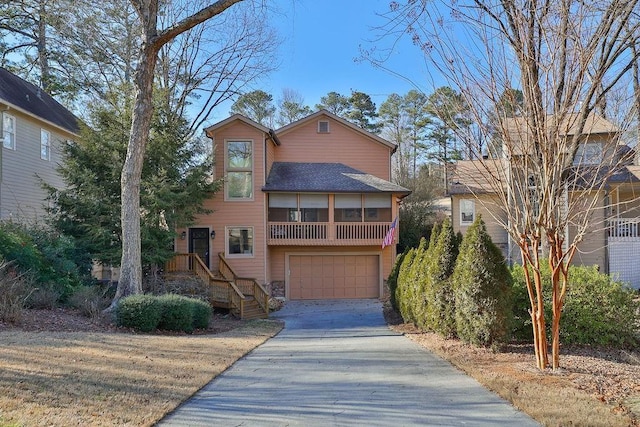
(111, 378)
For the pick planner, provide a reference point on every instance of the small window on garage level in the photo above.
(467, 211)
(239, 242)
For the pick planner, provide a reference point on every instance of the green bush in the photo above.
(53, 261)
(597, 311)
(482, 287)
(176, 313)
(438, 311)
(201, 313)
(141, 312)
(392, 280)
(403, 291)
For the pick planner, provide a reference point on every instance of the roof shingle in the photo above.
(32, 99)
(325, 178)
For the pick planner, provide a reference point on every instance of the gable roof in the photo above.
(342, 121)
(293, 177)
(246, 120)
(30, 99)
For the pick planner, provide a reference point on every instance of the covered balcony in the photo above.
(328, 219)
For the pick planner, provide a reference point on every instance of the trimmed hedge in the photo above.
(141, 312)
(169, 312)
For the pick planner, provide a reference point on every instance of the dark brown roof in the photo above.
(325, 178)
(30, 98)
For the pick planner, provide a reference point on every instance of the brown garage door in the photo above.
(333, 276)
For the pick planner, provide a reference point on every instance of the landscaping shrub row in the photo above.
(473, 295)
(169, 312)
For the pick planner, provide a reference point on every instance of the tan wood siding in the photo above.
(339, 145)
(487, 207)
(21, 195)
(592, 249)
(237, 213)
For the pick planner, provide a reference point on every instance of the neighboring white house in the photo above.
(33, 126)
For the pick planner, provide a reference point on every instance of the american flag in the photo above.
(388, 239)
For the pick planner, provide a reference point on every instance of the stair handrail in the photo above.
(259, 292)
(199, 268)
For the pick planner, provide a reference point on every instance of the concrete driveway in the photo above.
(337, 364)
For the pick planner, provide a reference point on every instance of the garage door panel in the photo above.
(333, 276)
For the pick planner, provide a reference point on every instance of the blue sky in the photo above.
(320, 42)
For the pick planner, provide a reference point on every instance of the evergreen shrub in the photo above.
(403, 291)
(482, 287)
(392, 280)
(438, 314)
(141, 312)
(201, 313)
(176, 313)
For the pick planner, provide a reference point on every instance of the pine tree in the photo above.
(175, 182)
(482, 287)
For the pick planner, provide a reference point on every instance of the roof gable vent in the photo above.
(323, 126)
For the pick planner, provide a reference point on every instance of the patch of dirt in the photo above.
(608, 376)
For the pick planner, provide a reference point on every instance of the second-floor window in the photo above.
(588, 154)
(239, 170)
(290, 207)
(45, 145)
(8, 131)
(467, 211)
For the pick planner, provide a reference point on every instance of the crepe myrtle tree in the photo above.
(565, 58)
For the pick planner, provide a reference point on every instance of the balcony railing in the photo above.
(325, 233)
(624, 228)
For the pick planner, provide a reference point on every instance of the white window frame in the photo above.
(249, 170)
(45, 145)
(320, 129)
(462, 210)
(8, 143)
(228, 253)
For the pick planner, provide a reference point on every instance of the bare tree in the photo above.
(550, 184)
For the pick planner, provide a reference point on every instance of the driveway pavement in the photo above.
(337, 364)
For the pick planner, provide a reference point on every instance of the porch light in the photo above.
(213, 234)
(183, 235)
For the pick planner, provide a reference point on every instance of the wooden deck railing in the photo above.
(326, 233)
(246, 285)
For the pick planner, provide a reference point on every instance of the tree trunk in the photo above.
(130, 282)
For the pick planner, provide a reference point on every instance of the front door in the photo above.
(199, 243)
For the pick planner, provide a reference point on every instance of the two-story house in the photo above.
(32, 126)
(304, 209)
(612, 241)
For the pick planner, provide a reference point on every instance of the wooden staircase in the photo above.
(244, 297)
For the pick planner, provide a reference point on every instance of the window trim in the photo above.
(251, 170)
(228, 254)
(47, 145)
(473, 211)
(4, 141)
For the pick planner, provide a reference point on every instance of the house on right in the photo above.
(600, 182)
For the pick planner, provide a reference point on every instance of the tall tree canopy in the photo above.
(256, 105)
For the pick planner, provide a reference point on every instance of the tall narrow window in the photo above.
(239, 170)
(45, 145)
(467, 211)
(8, 131)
